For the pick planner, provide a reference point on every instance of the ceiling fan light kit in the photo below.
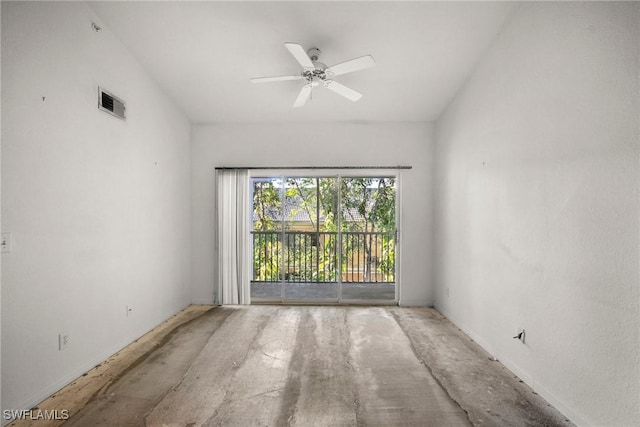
(315, 73)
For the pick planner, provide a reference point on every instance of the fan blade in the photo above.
(300, 55)
(275, 79)
(303, 96)
(343, 90)
(361, 63)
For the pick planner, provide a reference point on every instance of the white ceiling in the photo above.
(204, 53)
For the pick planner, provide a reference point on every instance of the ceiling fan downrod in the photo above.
(314, 54)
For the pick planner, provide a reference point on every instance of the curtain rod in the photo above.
(312, 167)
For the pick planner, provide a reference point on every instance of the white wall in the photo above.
(340, 144)
(537, 206)
(98, 207)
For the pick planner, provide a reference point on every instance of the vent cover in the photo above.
(111, 104)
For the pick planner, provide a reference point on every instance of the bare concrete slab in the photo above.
(318, 392)
(266, 366)
(315, 366)
(394, 387)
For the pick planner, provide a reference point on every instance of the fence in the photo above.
(303, 256)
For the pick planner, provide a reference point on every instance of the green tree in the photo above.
(267, 248)
(368, 206)
(267, 206)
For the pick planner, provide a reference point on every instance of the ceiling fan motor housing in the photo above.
(319, 72)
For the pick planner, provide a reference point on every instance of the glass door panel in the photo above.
(310, 239)
(266, 234)
(368, 235)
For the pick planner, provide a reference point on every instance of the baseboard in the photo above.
(203, 302)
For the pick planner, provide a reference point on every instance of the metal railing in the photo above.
(303, 256)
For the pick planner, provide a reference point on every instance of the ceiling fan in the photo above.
(316, 73)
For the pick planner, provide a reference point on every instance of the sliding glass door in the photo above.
(324, 238)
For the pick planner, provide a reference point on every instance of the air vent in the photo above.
(111, 104)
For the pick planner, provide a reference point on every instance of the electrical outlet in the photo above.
(5, 242)
(63, 340)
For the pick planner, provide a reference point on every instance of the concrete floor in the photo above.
(314, 366)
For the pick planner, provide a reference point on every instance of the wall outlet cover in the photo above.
(5, 242)
(63, 340)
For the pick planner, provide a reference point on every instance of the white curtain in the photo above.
(233, 212)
